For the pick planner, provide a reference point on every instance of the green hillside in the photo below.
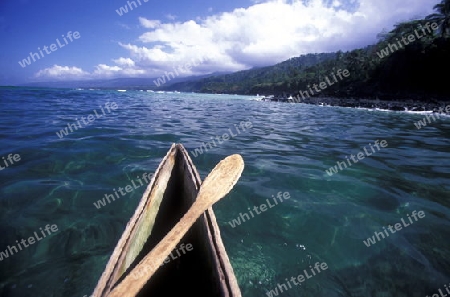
(249, 81)
(405, 63)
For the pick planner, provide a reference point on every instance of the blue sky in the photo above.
(158, 36)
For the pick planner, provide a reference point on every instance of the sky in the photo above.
(61, 40)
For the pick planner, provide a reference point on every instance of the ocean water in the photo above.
(289, 148)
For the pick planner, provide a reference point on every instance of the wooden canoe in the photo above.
(204, 270)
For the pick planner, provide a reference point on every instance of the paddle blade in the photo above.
(221, 179)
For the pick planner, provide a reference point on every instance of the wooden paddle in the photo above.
(216, 185)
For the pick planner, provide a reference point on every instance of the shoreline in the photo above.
(374, 104)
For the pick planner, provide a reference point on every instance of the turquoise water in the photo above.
(288, 149)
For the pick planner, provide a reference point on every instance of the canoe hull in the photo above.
(204, 269)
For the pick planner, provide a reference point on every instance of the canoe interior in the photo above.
(204, 270)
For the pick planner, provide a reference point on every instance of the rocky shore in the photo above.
(394, 105)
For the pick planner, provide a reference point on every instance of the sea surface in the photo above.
(288, 149)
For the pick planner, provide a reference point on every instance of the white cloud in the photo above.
(125, 68)
(149, 24)
(124, 26)
(171, 16)
(265, 33)
(124, 62)
(103, 70)
(61, 72)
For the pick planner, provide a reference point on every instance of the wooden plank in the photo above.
(229, 284)
(138, 228)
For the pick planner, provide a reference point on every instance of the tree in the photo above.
(442, 17)
(403, 29)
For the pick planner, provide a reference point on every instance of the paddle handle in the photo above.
(139, 276)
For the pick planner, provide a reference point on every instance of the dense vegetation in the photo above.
(409, 71)
(259, 80)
